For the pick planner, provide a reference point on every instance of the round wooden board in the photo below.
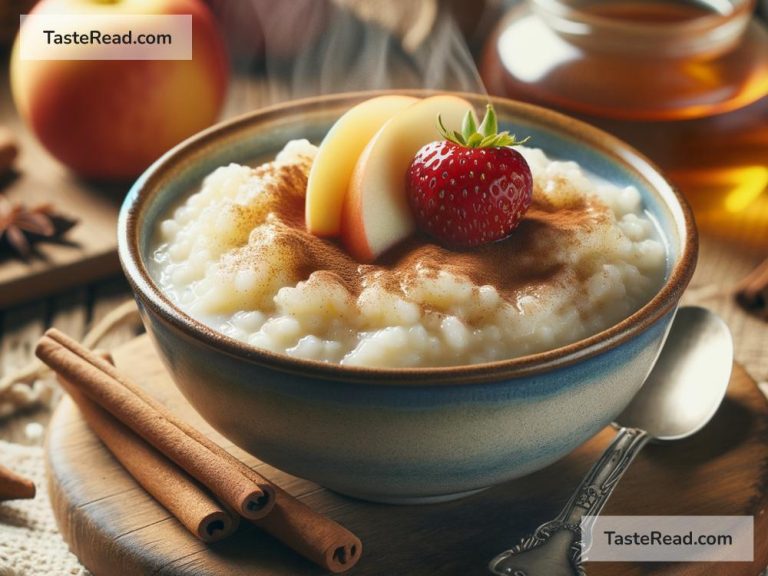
(116, 528)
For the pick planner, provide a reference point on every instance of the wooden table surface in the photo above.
(724, 260)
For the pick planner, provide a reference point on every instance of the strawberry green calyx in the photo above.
(486, 135)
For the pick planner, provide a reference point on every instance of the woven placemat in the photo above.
(30, 543)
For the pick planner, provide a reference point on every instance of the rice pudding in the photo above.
(236, 255)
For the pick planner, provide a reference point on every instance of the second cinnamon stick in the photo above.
(312, 535)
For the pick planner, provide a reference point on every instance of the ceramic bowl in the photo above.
(403, 435)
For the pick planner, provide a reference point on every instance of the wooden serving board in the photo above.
(116, 528)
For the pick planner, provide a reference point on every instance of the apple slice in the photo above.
(336, 157)
(376, 214)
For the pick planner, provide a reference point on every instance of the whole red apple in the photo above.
(110, 119)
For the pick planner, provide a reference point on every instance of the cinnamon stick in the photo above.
(192, 506)
(752, 291)
(310, 534)
(9, 149)
(251, 496)
(314, 536)
(15, 487)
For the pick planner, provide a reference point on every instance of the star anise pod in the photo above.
(22, 226)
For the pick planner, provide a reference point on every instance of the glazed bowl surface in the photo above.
(415, 434)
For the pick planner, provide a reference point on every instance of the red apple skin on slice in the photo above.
(336, 158)
(376, 214)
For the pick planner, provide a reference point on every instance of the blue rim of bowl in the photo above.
(664, 302)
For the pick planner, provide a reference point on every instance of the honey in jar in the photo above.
(684, 81)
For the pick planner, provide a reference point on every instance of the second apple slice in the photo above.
(336, 157)
(376, 214)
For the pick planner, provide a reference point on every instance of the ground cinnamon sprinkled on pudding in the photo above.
(236, 255)
(524, 259)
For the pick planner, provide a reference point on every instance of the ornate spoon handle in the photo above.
(555, 548)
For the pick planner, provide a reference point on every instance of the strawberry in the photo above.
(470, 188)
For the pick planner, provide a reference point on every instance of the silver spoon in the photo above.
(682, 393)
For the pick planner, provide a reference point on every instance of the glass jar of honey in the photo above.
(685, 81)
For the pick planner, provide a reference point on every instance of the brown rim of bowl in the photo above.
(662, 303)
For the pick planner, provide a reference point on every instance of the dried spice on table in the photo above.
(752, 291)
(9, 149)
(13, 486)
(21, 226)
